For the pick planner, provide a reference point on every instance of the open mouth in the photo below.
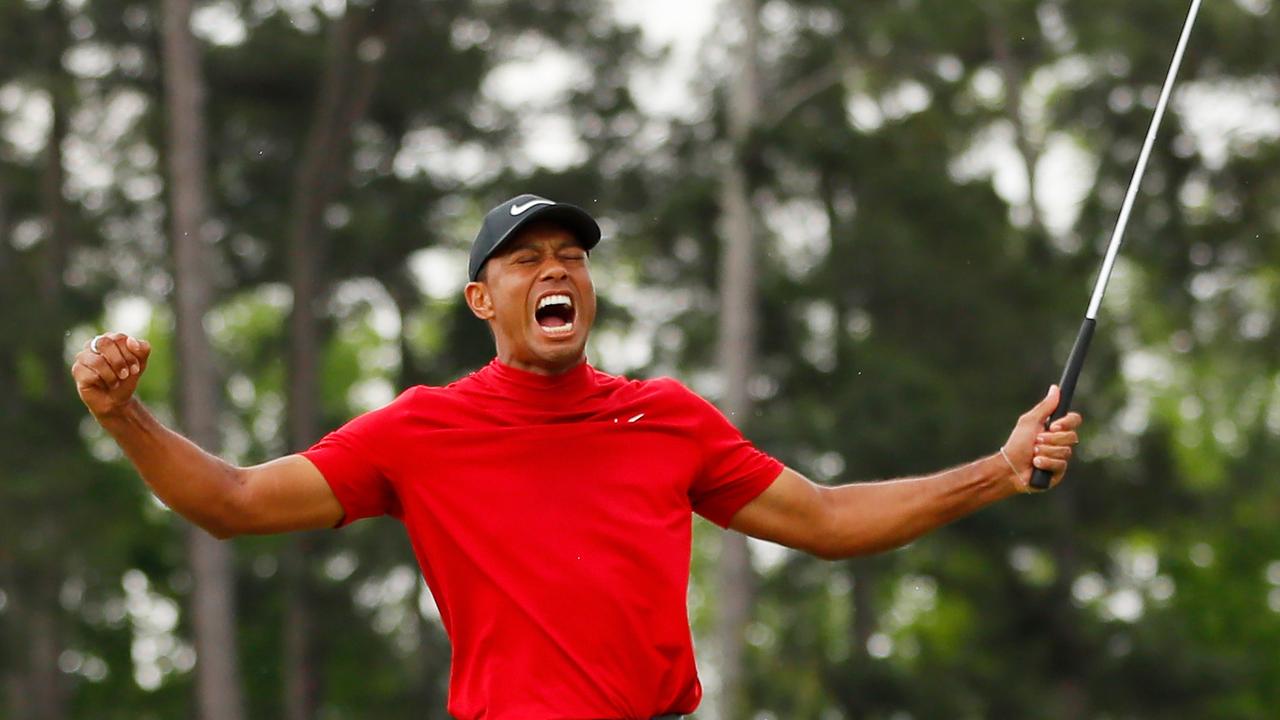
(555, 314)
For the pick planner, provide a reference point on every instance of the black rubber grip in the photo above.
(1040, 479)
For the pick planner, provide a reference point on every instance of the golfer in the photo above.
(550, 504)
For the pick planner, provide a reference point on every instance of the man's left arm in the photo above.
(864, 518)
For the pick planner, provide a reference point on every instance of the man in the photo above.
(548, 503)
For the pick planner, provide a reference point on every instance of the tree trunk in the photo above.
(346, 90)
(57, 241)
(1070, 653)
(8, 371)
(737, 347)
(864, 604)
(15, 695)
(407, 298)
(301, 680)
(17, 685)
(1028, 150)
(218, 689)
(42, 620)
(54, 210)
(36, 688)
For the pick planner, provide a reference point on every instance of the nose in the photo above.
(553, 269)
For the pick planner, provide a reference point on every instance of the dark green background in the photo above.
(926, 315)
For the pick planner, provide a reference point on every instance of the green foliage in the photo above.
(911, 308)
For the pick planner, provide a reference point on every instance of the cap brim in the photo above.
(577, 221)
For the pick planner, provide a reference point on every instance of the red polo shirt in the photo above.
(551, 519)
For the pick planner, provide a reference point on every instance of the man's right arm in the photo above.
(226, 500)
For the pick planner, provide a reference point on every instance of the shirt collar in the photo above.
(576, 378)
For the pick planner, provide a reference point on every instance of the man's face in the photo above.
(537, 296)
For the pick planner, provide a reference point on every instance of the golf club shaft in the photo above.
(1040, 479)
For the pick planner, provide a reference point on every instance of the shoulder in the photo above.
(427, 400)
(672, 393)
(661, 385)
(667, 387)
(416, 400)
(394, 411)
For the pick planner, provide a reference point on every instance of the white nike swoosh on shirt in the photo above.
(519, 209)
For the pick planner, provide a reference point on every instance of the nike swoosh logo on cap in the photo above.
(520, 209)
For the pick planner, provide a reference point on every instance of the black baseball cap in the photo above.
(504, 221)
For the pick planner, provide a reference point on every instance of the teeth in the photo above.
(555, 300)
(561, 330)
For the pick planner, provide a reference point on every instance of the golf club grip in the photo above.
(1067, 388)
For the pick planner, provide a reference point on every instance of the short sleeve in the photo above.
(733, 473)
(351, 459)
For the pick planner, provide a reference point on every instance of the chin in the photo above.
(562, 358)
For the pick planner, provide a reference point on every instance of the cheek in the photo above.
(508, 305)
(588, 288)
(588, 295)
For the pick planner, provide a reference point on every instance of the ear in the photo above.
(479, 300)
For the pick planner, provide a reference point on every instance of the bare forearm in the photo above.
(837, 522)
(287, 493)
(870, 517)
(194, 483)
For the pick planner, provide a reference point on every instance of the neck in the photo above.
(538, 367)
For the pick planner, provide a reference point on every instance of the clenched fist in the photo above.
(106, 371)
(1031, 446)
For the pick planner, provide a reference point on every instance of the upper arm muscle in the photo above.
(286, 494)
(791, 512)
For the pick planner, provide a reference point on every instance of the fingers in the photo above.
(1049, 449)
(129, 349)
(120, 362)
(127, 353)
(124, 355)
(1055, 452)
(84, 375)
(141, 349)
(1053, 465)
(102, 372)
(109, 360)
(1058, 438)
(1070, 421)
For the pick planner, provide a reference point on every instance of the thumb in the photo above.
(1045, 407)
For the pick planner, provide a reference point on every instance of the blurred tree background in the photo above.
(867, 229)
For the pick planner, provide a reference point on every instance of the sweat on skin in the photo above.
(549, 504)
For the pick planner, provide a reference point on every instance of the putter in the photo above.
(1040, 479)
